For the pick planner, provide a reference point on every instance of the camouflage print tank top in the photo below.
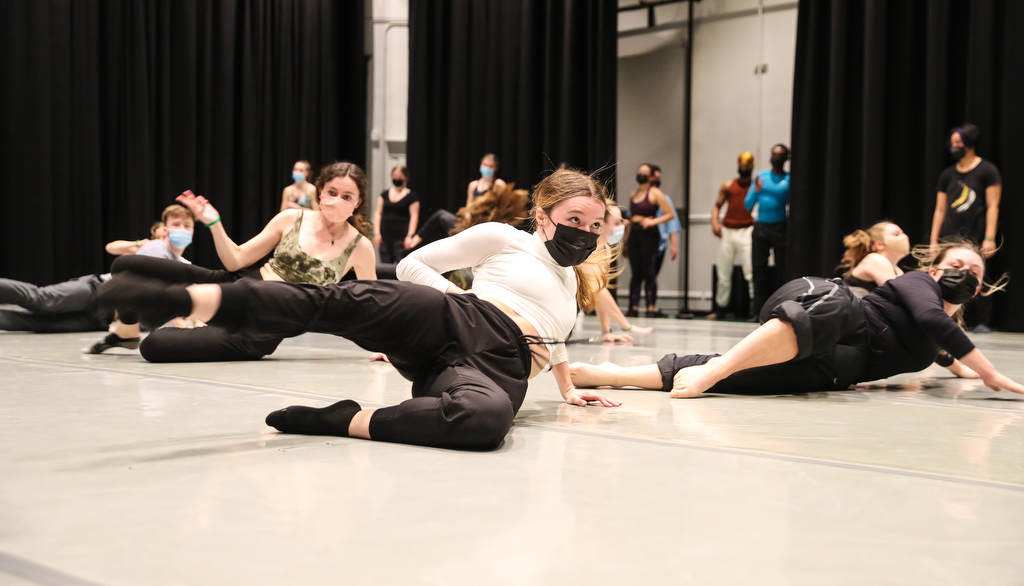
(292, 263)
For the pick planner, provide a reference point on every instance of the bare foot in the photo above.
(587, 376)
(378, 357)
(694, 380)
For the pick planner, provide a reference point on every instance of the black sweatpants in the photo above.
(767, 237)
(468, 361)
(207, 344)
(832, 343)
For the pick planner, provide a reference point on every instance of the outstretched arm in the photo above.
(235, 256)
(962, 371)
(123, 247)
(992, 378)
(938, 217)
(574, 396)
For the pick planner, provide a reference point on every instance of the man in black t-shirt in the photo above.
(967, 205)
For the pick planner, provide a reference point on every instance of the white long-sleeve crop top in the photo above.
(510, 266)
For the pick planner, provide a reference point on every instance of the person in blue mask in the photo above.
(68, 306)
(301, 194)
(488, 179)
(770, 194)
(179, 224)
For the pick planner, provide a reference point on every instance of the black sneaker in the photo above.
(113, 341)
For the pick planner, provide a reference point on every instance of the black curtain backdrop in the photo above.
(532, 81)
(878, 85)
(111, 108)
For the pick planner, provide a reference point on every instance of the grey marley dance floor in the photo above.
(116, 471)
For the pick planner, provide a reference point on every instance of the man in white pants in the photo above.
(734, 230)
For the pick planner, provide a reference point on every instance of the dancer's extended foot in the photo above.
(156, 301)
(113, 341)
(331, 420)
(585, 375)
(691, 381)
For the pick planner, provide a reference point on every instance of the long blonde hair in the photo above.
(558, 187)
(859, 244)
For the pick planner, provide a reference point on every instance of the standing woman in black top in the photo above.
(967, 206)
(396, 218)
(644, 241)
(816, 336)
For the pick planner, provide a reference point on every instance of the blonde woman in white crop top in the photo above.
(469, 354)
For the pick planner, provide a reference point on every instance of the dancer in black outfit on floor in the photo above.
(817, 336)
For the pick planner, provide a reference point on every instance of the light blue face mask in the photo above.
(296, 176)
(179, 238)
(486, 172)
(617, 233)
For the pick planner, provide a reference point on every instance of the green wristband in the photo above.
(989, 239)
(213, 222)
(628, 328)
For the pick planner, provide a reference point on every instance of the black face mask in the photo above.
(656, 182)
(957, 152)
(745, 173)
(778, 161)
(958, 286)
(641, 178)
(571, 246)
(398, 182)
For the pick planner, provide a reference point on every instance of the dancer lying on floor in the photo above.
(314, 247)
(469, 355)
(817, 336)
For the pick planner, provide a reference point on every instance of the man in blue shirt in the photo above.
(770, 193)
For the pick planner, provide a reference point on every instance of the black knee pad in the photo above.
(670, 364)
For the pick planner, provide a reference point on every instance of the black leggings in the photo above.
(832, 343)
(207, 344)
(469, 363)
(644, 264)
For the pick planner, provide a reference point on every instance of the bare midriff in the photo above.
(539, 351)
(268, 273)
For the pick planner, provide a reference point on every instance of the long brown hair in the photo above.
(859, 244)
(558, 187)
(506, 205)
(351, 170)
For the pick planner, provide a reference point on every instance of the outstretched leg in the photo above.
(608, 374)
(772, 343)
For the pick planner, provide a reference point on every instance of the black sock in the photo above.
(156, 301)
(331, 420)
